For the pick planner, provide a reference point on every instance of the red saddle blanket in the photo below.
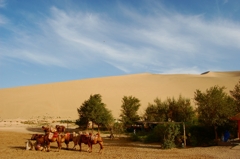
(53, 135)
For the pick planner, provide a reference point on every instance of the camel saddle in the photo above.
(93, 137)
(52, 135)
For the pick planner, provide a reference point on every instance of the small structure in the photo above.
(237, 117)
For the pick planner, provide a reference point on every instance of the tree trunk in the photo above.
(215, 130)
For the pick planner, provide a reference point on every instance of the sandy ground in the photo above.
(61, 100)
(14, 135)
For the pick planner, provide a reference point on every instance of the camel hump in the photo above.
(52, 129)
(60, 128)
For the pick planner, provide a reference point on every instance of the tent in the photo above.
(237, 117)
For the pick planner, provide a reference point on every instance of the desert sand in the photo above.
(59, 101)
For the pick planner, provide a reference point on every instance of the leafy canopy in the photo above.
(179, 110)
(94, 110)
(236, 95)
(215, 107)
(129, 108)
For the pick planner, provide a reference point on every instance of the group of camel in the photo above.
(59, 135)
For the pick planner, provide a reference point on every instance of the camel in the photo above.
(54, 137)
(65, 137)
(90, 140)
(60, 128)
(39, 145)
(48, 129)
(71, 137)
(47, 139)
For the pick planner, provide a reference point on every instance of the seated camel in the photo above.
(47, 139)
(30, 145)
(89, 140)
(39, 145)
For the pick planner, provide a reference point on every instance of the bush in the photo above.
(164, 133)
(200, 135)
(156, 135)
(171, 132)
(168, 144)
(135, 137)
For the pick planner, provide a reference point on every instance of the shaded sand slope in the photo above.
(62, 99)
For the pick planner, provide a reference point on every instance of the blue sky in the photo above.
(61, 40)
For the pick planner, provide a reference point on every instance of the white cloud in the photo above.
(161, 41)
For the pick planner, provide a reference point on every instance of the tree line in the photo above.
(214, 108)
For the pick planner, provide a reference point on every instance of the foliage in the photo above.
(135, 137)
(129, 108)
(156, 135)
(118, 128)
(236, 95)
(170, 133)
(165, 134)
(156, 112)
(179, 110)
(94, 110)
(199, 135)
(214, 107)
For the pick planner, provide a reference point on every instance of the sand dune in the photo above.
(61, 100)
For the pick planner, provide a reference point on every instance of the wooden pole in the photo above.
(67, 124)
(238, 128)
(184, 134)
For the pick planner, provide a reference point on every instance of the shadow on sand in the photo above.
(125, 142)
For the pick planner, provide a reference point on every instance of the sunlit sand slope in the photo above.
(61, 100)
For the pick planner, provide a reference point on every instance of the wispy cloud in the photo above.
(3, 20)
(225, 1)
(161, 41)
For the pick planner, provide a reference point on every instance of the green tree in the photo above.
(94, 110)
(236, 95)
(214, 107)
(129, 108)
(156, 112)
(118, 128)
(179, 110)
